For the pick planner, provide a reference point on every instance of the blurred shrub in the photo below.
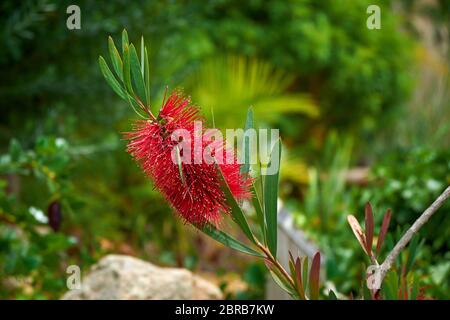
(356, 74)
(32, 253)
(424, 121)
(325, 197)
(322, 213)
(408, 181)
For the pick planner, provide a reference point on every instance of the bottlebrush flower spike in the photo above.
(196, 196)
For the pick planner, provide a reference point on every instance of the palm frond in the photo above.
(231, 84)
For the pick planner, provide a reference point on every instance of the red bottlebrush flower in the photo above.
(196, 196)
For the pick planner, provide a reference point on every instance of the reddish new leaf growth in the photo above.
(298, 279)
(314, 277)
(383, 230)
(369, 228)
(196, 196)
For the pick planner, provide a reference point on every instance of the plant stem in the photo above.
(275, 262)
(146, 110)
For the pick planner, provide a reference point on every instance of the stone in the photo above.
(120, 277)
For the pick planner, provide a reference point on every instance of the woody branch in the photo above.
(401, 244)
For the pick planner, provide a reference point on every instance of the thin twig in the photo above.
(275, 262)
(145, 109)
(401, 244)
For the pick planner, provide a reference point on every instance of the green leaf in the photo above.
(415, 288)
(124, 40)
(280, 283)
(227, 240)
(147, 76)
(404, 290)
(270, 202)
(136, 107)
(245, 167)
(291, 265)
(280, 280)
(236, 211)
(142, 57)
(127, 70)
(111, 79)
(305, 272)
(115, 58)
(259, 212)
(390, 286)
(136, 74)
(126, 75)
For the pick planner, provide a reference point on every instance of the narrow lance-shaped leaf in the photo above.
(271, 199)
(415, 288)
(259, 184)
(305, 272)
(109, 77)
(390, 285)
(299, 280)
(142, 57)
(136, 74)
(227, 240)
(245, 167)
(236, 211)
(314, 277)
(136, 107)
(127, 81)
(357, 230)
(124, 40)
(291, 265)
(259, 212)
(127, 92)
(369, 228)
(115, 58)
(280, 280)
(403, 292)
(145, 70)
(293, 271)
(282, 284)
(383, 230)
(127, 70)
(147, 76)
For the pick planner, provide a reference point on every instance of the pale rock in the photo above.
(119, 277)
